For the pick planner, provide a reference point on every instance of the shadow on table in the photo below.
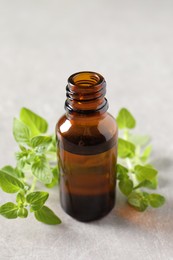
(151, 220)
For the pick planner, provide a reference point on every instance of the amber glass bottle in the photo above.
(87, 149)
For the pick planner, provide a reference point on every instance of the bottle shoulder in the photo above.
(88, 130)
(103, 124)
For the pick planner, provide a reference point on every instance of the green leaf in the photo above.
(19, 173)
(9, 183)
(25, 158)
(23, 148)
(121, 172)
(126, 186)
(47, 216)
(10, 170)
(21, 132)
(21, 164)
(138, 200)
(22, 213)
(21, 158)
(35, 123)
(9, 210)
(55, 178)
(41, 141)
(23, 152)
(152, 184)
(148, 165)
(20, 198)
(140, 140)
(125, 119)
(156, 200)
(53, 145)
(146, 153)
(41, 170)
(13, 171)
(121, 169)
(125, 149)
(37, 199)
(144, 173)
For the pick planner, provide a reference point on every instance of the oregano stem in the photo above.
(33, 184)
(130, 167)
(137, 159)
(126, 134)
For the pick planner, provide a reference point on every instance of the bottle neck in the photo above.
(86, 94)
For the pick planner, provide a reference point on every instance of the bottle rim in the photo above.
(92, 79)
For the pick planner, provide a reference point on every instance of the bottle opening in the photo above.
(85, 93)
(85, 79)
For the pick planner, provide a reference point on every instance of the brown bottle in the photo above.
(87, 149)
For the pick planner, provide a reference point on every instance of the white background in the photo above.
(131, 44)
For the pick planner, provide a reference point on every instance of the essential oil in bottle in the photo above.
(87, 149)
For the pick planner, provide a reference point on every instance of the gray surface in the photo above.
(131, 44)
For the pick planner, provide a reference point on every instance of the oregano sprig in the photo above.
(134, 173)
(35, 161)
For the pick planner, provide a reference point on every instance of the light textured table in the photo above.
(131, 44)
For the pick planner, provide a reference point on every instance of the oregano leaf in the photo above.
(47, 216)
(156, 200)
(21, 132)
(40, 140)
(37, 199)
(20, 198)
(125, 119)
(36, 123)
(41, 170)
(22, 213)
(121, 172)
(138, 200)
(126, 186)
(125, 149)
(55, 179)
(9, 183)
(144, 173)
(146, 153)
(9, 210)
(13, 171)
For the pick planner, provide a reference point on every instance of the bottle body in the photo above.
(87, 152)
